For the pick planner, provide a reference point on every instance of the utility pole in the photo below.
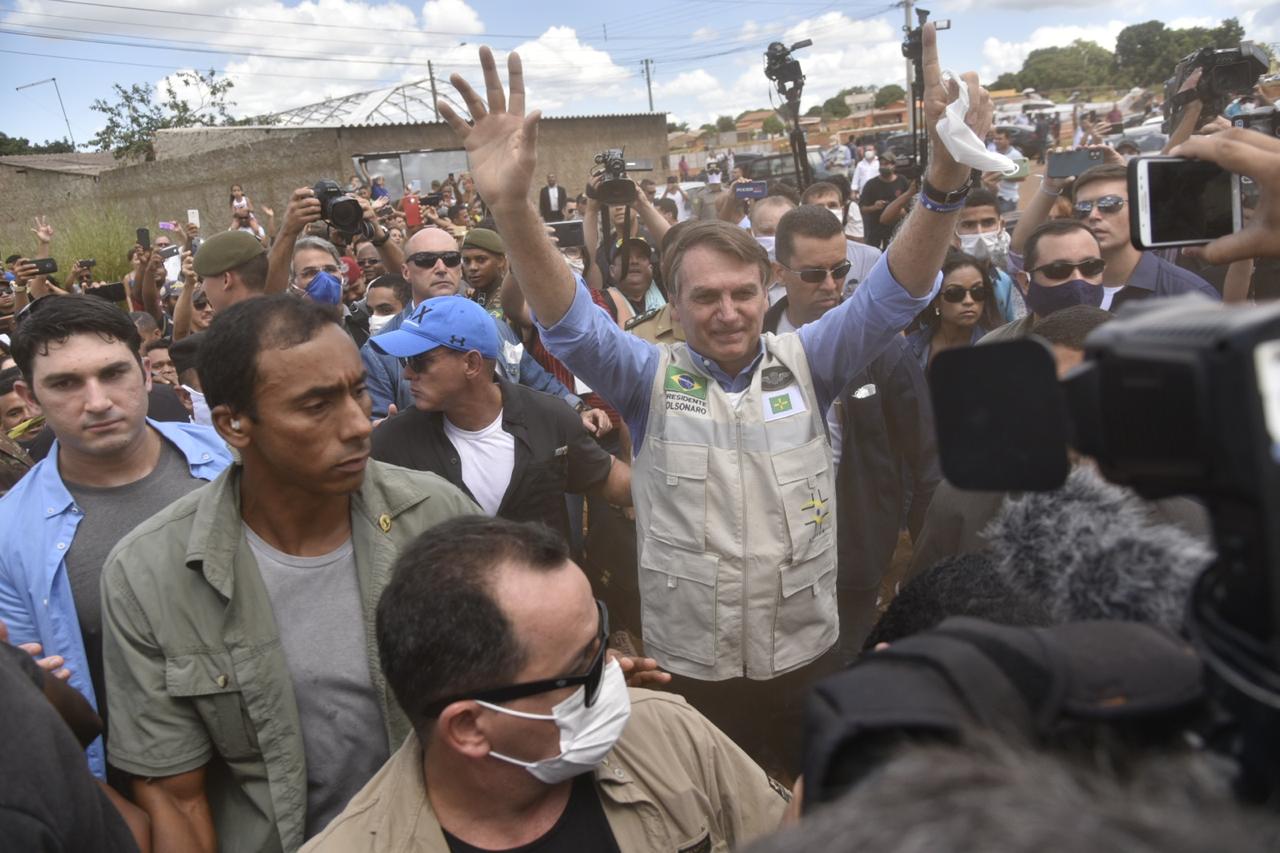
(431, 75)
(907, 8)
(54, 81)
(648, 79)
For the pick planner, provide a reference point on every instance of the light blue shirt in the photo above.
(838, 345)
(38, 521)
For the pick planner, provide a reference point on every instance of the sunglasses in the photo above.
(590, 680)
(819, 275)
(1106, 204)
(1089, 268)
(956, 293)
(427, 260)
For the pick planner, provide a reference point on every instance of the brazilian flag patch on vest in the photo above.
(681, 381)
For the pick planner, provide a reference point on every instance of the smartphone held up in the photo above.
(1178, 201)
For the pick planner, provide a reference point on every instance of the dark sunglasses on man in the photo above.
(590, 679)
(1106, 204)
(956, 293)
(427, 260)
(817, 275)
(1056, 270)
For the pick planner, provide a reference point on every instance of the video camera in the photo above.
(1225, 75)
(1262, 120)
(1174, 397)
(615, 187)
(783, 68)
(340, 210)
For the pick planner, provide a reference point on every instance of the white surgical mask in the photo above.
(575, 264)
(767, 243)
(869, 156)
(993, 245)
(586, 734)
(199, 408)
(377, 322)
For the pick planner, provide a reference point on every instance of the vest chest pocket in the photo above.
(678, 506)
(678, 601)
(209, 683)
(808, 497)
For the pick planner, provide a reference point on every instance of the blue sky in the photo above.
(579, 58)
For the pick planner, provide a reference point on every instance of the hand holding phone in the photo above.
(750, 189)
(144, 239)
(1072, 164)
(569, 233)
(1177, 201)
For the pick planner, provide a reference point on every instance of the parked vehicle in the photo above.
(782, 167)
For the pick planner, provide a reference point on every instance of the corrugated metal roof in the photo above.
(91, 163)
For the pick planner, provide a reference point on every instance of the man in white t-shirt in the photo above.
(516, 451)
(673, 191)
(868, 167)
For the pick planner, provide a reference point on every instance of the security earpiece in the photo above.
(235, 425)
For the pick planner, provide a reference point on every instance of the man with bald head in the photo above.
(764, 223)
(433, 267)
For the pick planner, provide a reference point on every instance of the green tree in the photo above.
(772, 126)
(673, 127)
(1147, 53)
(1079, 64)
(190, 99)
(890, 94)
(10, 145)
(1007, 80)
(725, 124)
(835, 107)
(815, 110)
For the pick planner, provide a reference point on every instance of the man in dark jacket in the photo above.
(881, 426)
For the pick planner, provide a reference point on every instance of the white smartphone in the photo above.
(193, 217)
(1177, 201)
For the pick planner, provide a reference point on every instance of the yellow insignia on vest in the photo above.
(384, 522)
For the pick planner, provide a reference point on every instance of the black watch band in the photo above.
(386, 235)
(942, 197)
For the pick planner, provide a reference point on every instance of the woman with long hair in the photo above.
(963, 311)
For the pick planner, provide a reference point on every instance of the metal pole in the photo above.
(907, 8)
(431, 74)
(648, 80)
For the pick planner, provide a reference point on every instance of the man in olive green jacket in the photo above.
(245, 693)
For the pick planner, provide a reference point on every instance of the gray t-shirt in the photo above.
(316, 602)
(110, 513)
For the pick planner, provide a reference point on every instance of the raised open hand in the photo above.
(43, 230)
(501, 141)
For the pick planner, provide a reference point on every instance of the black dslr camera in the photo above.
(1224, 76)
(615, 187)
(1175, 397)
(339, 210)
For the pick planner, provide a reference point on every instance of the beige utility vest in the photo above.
(736, 520)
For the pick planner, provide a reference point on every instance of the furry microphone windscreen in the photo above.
(1090, 550)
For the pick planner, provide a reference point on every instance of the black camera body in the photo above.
(783, 68)
(342, 212)
(1224, 75)
(614, 187)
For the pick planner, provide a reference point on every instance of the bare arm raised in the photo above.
(501, 144)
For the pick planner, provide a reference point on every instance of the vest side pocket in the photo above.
(678, 602)
(808, 621)
(808, 497)
(678, 506)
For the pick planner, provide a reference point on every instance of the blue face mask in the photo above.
(1043, 301)
(325, 288)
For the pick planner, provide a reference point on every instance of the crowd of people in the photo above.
(430, 523)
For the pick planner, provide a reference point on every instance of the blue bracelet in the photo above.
(931, 205)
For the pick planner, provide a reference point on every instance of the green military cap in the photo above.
(226, 251)
(483, 238)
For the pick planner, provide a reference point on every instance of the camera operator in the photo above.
(735, 522)
(306, 209)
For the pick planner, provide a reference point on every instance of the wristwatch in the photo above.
(20, 288)
(944, 198)
(379, 241)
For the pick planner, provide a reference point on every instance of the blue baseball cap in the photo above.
(443, 321)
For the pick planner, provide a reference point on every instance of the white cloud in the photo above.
(687, 83)
(1189, 22)
(705, 34)
(453, 16)
(1002, 56)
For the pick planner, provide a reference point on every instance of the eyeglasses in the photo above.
(956, 293)
(427, 260)
(365, 263)
(819, 275)
(416, 363)
(1089, 268)
(311, 272)
(199, 303)
(590, 680)
(1106, 204)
